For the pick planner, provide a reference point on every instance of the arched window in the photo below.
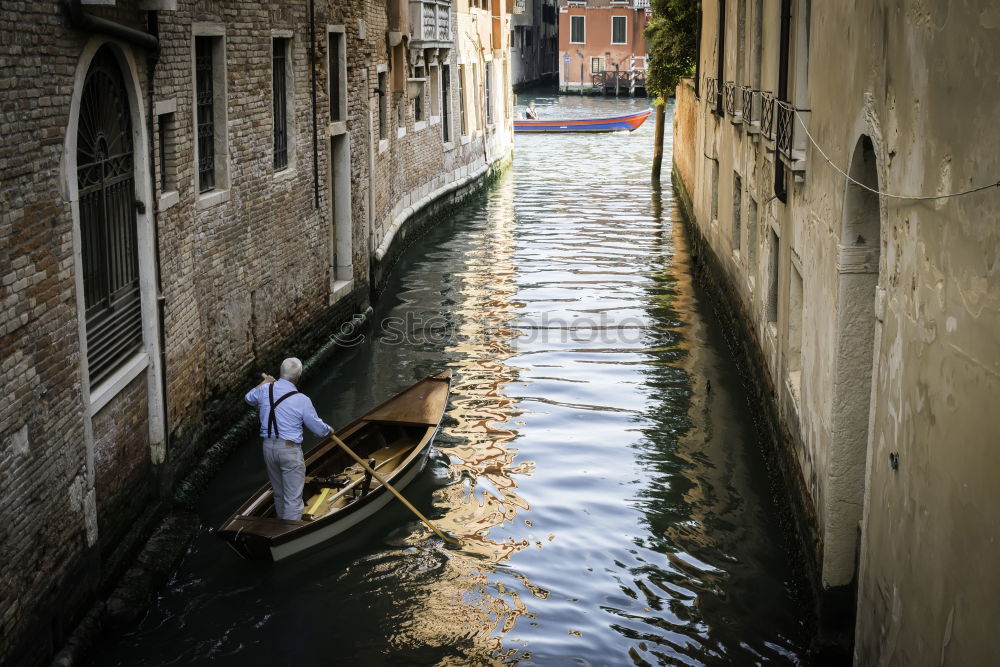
(106, 181)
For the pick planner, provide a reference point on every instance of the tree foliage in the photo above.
(672, 40)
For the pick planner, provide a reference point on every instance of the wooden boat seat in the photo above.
(327, 500)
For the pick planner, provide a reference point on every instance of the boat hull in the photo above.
(616, 124)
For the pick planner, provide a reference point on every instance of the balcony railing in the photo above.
(713, 95)
(767, 114)
(751, 108)
(785, 122)
(734, 102)
(430, 21)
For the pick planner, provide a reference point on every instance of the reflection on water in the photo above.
(597, 457)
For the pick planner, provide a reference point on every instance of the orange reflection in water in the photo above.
(463, 604)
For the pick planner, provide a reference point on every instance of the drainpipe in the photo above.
(312, 67)
(88, 23)
(152, 59)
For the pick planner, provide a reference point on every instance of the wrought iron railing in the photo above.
(713, 95)
(767, 114)
(751, 103)
(785, 128)
(732, 100)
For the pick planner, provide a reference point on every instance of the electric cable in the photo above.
(870, 189)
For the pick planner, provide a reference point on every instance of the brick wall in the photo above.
(246, 277)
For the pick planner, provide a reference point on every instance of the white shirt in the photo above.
(290, 415)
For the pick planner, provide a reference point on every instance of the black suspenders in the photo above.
(272, 421)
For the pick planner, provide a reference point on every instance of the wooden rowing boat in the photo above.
(338, 494)
(629, 123)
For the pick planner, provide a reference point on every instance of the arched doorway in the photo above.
(105, 169)
(859, 252)
(107, 175)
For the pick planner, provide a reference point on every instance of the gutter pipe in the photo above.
(89, 23)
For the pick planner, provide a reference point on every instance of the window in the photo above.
(418, 100)
(337, 56)
(596, 65)
(752, 235)
(341, 255)
(576, 33)
(618, 27)
(758, 35)
(794, 325)
(435, 80)
(488, 78)
(715, 191)
(737, 206)
(279, 97)
(383, 120)
(210, 106)
(461, 101)
(446, 103)
(166, 138)
(741, 37)
(720, 56)
(108, 225)
(772, 278)
(478, 96)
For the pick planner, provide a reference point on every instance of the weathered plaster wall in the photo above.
(878, 317)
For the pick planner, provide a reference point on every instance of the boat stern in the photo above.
(247, 543)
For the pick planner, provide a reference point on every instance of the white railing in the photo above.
(430, 20)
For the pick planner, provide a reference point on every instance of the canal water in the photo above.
(598, 456)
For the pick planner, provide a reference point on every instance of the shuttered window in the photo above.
(576, 33)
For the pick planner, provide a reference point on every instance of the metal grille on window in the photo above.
(106, 180)
(205, 86)
(280, 104)
(334, 73)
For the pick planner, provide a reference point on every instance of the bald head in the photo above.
(291, 370)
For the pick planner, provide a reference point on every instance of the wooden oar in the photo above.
(364, 464)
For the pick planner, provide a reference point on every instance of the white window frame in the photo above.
(220, 193)
(341, 75)
(625, 19)
(289, 37)
(583, 20)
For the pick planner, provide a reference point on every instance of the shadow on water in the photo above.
(597, 456)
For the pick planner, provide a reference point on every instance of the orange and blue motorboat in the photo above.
(615, 124)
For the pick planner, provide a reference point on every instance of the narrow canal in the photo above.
(597, 455)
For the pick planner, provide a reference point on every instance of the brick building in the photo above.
(191, 190)
(534, 42)
(602, 46)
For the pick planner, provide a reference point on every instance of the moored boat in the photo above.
(629, 123)
(338, 494)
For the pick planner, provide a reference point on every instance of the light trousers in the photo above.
(286, 468)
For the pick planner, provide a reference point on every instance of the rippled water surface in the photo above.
(597, 455)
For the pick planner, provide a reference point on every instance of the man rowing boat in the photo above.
(283, 412)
